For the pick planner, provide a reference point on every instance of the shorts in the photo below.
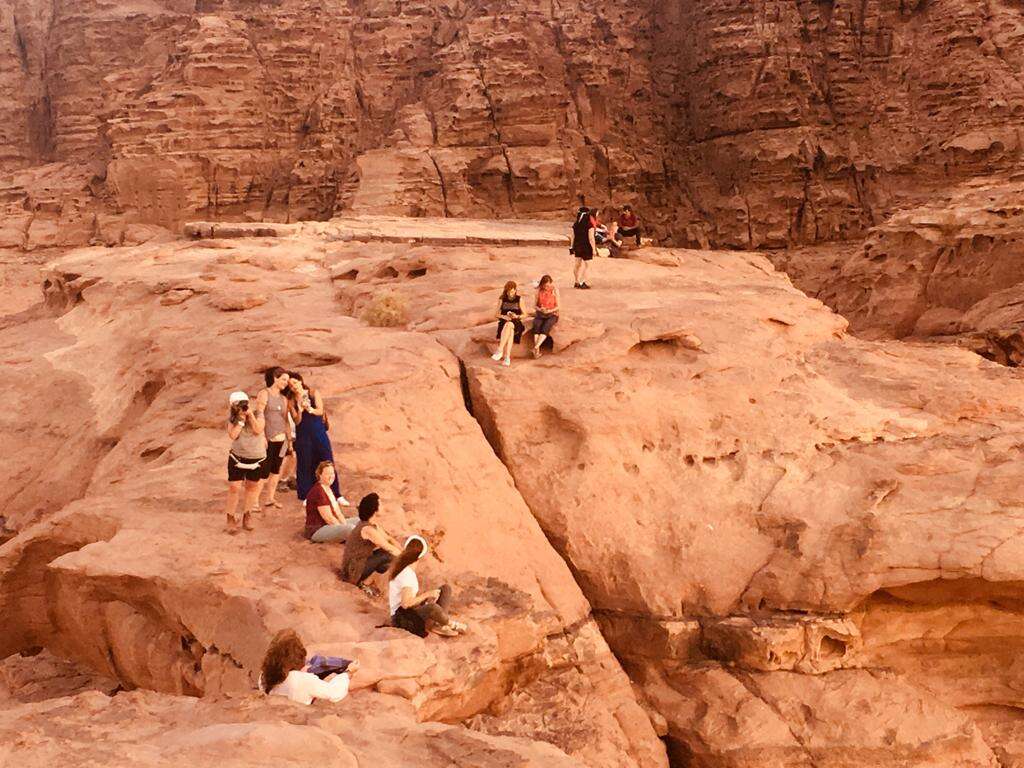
(584, 255)
(543, 324)
(518, 331)
(244, 469)
(275, 455)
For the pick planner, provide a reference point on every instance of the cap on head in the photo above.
(368, 506)
(238, 397)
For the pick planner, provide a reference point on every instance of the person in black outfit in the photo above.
(583, 245)
(510, 322)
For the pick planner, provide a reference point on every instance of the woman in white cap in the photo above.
(245, 459)
(414, 611)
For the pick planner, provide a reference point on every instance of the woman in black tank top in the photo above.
(510, 323)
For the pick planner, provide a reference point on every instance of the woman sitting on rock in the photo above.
(312, 444)
(245, 459)
(510, 322)
(325, 520)
(411, 610)
(546, 314)
(284, 673)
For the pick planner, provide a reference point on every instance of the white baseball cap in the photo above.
(238, 397)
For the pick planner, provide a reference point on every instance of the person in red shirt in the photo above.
(629, 225)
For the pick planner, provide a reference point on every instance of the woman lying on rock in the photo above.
(245, 459)
(546, 314)
(510, 322)
(325, 520)
(284, 673)
(414, 611)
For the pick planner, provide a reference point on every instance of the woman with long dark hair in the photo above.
(546, 314)
(510, 322)
(312, 444)
(412, 610)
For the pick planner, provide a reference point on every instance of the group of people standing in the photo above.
(286, 424)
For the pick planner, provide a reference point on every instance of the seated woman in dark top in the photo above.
(325, 518)
(510, 322)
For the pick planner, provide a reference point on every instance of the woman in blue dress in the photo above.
(312, 444)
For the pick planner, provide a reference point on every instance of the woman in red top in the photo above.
(546, 314)
(629, 226)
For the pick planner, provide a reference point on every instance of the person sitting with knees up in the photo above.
(418, 612)
(629, 225)
(368, 549)
(245, 459)
(284, 674)
(510, 322)
(325, 520)
(546, 314)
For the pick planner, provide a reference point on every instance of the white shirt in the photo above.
(407, 578)
(303, 687)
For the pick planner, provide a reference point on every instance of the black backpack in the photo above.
(410, 621)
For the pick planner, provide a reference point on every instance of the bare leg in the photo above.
(234, 491)
(584, 267)
(505, 345)
(272, 482)
(252, 497)
(288, 465)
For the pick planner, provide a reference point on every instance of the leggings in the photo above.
(435, 614)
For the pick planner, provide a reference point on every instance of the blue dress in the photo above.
(312, 445)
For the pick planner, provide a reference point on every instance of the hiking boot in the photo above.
(247, 521)
(232, 525)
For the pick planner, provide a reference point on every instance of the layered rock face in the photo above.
(735, 123)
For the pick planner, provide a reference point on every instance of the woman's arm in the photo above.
(333, 690)
(235, 427)
(558, 302)
(327, 515)
(317, 402)
(500, 316)
(256, 421)
(375, 535)
(593, 242)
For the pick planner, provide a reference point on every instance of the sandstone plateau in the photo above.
(711, 529)
(762, 504)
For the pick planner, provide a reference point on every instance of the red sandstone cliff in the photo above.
(740, 123)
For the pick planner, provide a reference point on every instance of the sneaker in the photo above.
(458, 626)
(370, 591)
(496, 356)
(506, 362)
(584, 286)
(344, 502)
(536, 353)
(445, 631)
(576, 285)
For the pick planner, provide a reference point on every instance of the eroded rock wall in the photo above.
(742, 124)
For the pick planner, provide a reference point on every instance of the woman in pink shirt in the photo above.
(546, 314)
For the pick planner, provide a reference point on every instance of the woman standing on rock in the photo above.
(312, 444)
(275, 406)
(583, 245)
(414, 611)
(510, 323)
(546, 314)
(245, 459)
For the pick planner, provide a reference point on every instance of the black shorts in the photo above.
(518, 327)
(275, 455)
(236, 472)
(585, 255)
(543, 324)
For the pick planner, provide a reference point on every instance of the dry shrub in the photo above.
(386, 310)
